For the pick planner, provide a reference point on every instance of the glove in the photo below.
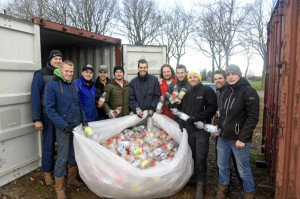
(85, 123)
(174, 105)
(139, 112)
(68, 129)
(150, 113)
(181, 124)
(189, 124)
(111, 114)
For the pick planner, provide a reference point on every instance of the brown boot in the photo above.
(72, 177)
(48, 178)
(59, 188)
(199, 191)
(249, 195)
(222, 191)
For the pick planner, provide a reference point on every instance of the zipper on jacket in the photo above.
(226, 110)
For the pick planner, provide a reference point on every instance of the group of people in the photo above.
(59, 104)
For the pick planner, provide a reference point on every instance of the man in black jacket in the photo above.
(239, 116)
(200, 103)
(101, 81)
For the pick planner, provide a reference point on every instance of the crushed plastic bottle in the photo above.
(90, 133)
(117, 111)
(101, 100)
(181, 115)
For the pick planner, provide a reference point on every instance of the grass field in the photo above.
(256, 85)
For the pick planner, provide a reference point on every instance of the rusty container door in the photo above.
(281, 125)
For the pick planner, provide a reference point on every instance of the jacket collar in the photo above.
(143, 78)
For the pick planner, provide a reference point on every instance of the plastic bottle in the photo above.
(175, 91)
(117, 111)
(199, 124)
(171, 99)
(211, 128)
(145, 163)
(181, 115)
(160, 103)
(90, 133)
(101, 100)
(122, 151)
(182, 93)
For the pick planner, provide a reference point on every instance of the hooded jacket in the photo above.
(87, 97)
(63, 103)
(144, 92)
(239, 111)
(117, 96)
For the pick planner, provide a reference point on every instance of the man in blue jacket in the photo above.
(39, 115)
(144, 90)
(87, 93)
(64, 108)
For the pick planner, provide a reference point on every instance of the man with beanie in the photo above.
(39, 115)
(144, 90)
(200, 103)
(117, 95)
(238, 118)
(64, 108)
(100, 83)
(87, 92)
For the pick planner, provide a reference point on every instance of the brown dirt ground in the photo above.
(31, 186)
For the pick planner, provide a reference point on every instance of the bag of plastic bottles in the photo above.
(110, 176)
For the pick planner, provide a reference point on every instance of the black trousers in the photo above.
(199, 144)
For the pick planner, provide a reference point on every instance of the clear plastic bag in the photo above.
(108, 175)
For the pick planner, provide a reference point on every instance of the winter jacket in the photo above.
(63, 103)
(163, 85)
(239, 111)
(180, 84)
(87, 97)
(39, 81)
(200, 103)
(117, 96)
(144, 92)
(99, 90)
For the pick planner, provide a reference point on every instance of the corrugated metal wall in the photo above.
(281, 129)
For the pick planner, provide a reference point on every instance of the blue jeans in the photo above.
(242, 156)
(65, 153)
(48, 142)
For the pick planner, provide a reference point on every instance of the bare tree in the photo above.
(93, 15)
(140, 21)
(58, 11)
(165, 31)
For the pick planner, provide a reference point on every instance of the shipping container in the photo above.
(156, 56)
(281, 122)
(24, 48)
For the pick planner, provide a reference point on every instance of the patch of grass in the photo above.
(256, 85)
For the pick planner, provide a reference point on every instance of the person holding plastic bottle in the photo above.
(100, 83)
(117, 95)
(39, 115)
(144, 90)
(200, 104)
(178, 89)
(167, 76)
(64, 108)
(238, 118)
(87, 92)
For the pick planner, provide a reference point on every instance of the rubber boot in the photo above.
(222, 191)
(59, 188)
(200, 190)
(48, 178)
(249, 195)
(72, 177)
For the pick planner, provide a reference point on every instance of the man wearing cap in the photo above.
(117, 94)
(144, 90)
(87, 92)
(64, 108)
(100, 83)
(239, 117)
(200, 103)
(39, 115)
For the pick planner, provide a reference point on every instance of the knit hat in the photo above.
(88, 66)
(102, 67)
(55, 53)
(118, 68)
(233, 69)
(193, 73)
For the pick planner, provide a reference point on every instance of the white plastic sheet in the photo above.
(108, 175)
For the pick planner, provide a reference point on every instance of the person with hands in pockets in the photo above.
(64, 108)
(144, 91)
(238, 119)
(200, 104)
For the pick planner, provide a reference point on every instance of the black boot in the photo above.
(200, 190)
